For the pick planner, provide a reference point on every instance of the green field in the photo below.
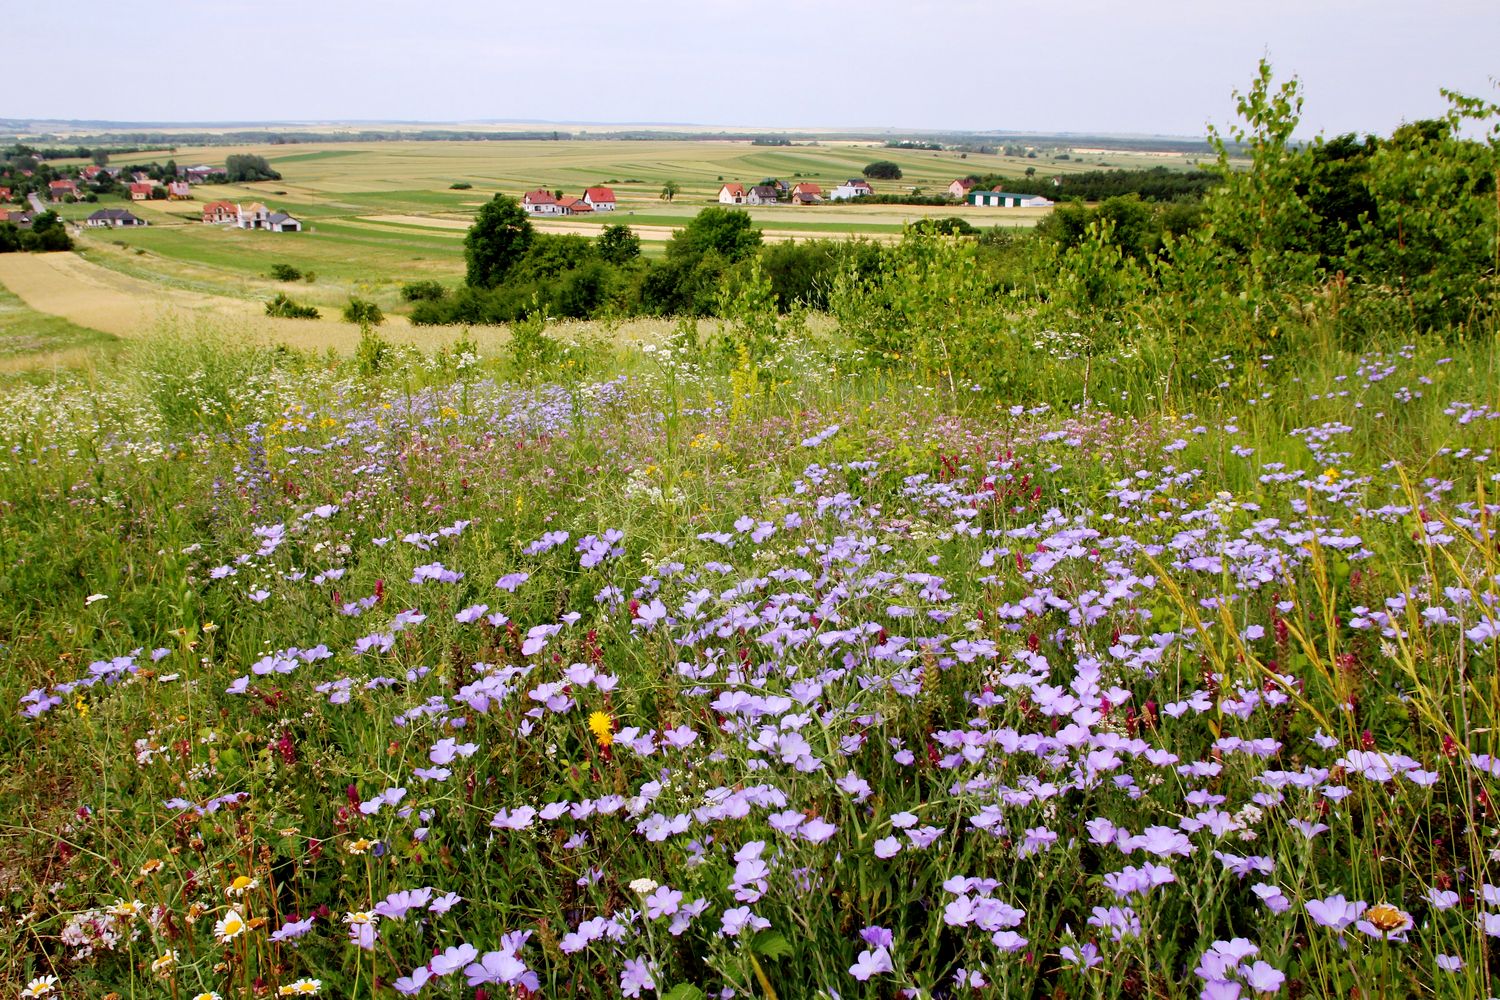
(32, 340)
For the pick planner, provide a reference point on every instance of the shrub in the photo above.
(459, 186)
(363, 311)
(285, 272)
(283, 307)
(423, 291)
(883, 170)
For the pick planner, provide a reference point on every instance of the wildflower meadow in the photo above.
(1152, 661)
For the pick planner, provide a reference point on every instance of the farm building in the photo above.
(961, 187)
(541, 202)
(761, 194)
(198, 174)
(732, 194)
(113, 218)
(600, 199)
(575, 206)
(21, 220)
(1007, 199)
(179, 191)
(853, 188)
(141, 190)
(280, 222)
(221, 211)
(62, 189)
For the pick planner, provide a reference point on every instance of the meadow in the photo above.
(1108, 617)
(416, 674)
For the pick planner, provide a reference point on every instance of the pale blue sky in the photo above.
(1151, 66)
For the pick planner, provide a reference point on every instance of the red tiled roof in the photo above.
(599, 194)
(141, 188)
(734, 188)
(539, 197)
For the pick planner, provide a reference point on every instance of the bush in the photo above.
(285, 272)
(363, 311)
(883, 170)
(423, 291)
(283, 307)
(459, 186)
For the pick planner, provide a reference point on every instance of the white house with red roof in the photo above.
(600, 199)
(62, 189)
(575, 206)
(961, 187)
(853, 188)
(732, 194)
(541, 202)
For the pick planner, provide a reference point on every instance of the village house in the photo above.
(220, 211)
(92, 171)
(853, 188)
(59, 190)
(732, 194)
(280, 222)
(961, 187)
(251, 216)
(4, 194)
(1007, 199)
(541, 202)
(179, 191)
(575, 206)
(806, 193)
(141, 190)
(141, 177)
(761, 194)
(198, 174)
(21, 220)
(600, 199)
(113, 218)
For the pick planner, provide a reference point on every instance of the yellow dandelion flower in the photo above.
(1330, 475)
(603, 727)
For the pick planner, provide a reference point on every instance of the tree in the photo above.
(618, 245)
(242, 167)
(725, 231)
(498, 239)
(883, 170)
(669, 190)
(101, 158)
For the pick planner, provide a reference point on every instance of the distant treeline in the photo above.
(22, 151)
(1152, 184)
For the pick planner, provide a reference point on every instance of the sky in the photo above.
(1163, 67)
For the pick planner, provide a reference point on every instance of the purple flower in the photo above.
(453, 959)
(662, 903)
(871, 962)
(637, 975)
(1335, 912)
(738, 919)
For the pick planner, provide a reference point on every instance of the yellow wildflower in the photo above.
(603, 727)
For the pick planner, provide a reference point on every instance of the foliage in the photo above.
(423, 291)
(242, 168)
(285, 308)
(498, 239)
(285, 272)
(883, 170)
(618, 244)
(363, 312)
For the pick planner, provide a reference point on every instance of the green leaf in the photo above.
(771, 945)
(684, 991)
